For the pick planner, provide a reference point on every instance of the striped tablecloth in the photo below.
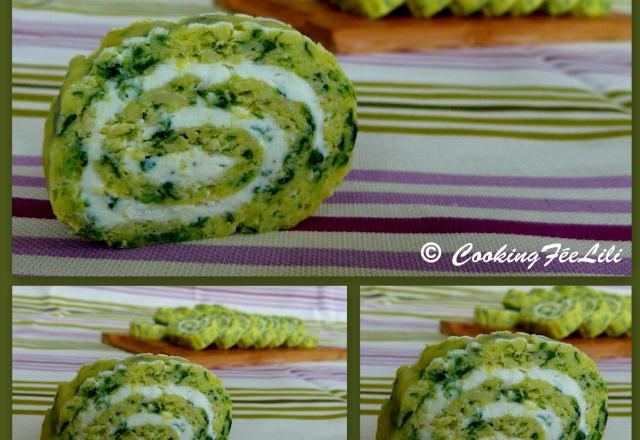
(56, 330)
(397, 322)
(516, 146)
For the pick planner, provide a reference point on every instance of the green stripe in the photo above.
(417, 85)
(62, 67)
(542, 136)
(38, 76)
(471, 96)
(569, 122)
(494, 107)
(29, 113)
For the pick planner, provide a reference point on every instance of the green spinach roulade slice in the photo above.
(557, 318)
(596, 315)
(147, 330)
(369, 8)
(620, 307)
(202, 128)
(496, 318)
(497, 386)
(144, 396)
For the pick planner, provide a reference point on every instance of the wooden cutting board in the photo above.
(602, 347)
(346, 33)
(218, 359)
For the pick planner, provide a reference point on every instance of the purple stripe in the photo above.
(426, 178)
(487, 202)
(31, 208)
(24, 160)
(267, 256)
(18, 180)
(415, 177)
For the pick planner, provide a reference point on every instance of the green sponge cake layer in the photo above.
(369, 8)
(141, 397)
(497, 386)
(205, 127)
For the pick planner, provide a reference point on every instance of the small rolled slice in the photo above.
(196, 332)
(166, 315)
(369, 8)
(525, 7)
(268, 333)
(593, 8)
(253, 333)
(620, 307)
(147, 330)
(596, 315)
(296, 331)
(497, 386)
(497, 8)
(279, 332)
(556, 318)
(514, 299)
(144, 396)
(231, 327)
(308, 341)
(560, 7)
(466, 7)
(202, 128)
(496, 318)
(427, 8)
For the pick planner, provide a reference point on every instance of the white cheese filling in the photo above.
(565, 384)
(193, 396)
(196, 166)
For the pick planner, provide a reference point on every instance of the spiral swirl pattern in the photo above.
(143, 396)
(195, 129)
(497, 386)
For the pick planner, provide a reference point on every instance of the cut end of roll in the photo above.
(501, 386)
(143, 396)
(209, 126)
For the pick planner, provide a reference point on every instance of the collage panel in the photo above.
(252, 362)
(466, 362)
(233, 138)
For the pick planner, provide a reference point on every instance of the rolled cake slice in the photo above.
(497, 8)
(195, 332)
(369, 8)
(620, 307)
(426, 8)
(144, 396)
(557, 318)
(497, 386)
(205, 127)
(514, 299)
(560, 7)
(231, 327)
(165, 315)
(525, 7)
(147, 330)
(593, 8)
(496, 318)
(466, 7)
(596, 315)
